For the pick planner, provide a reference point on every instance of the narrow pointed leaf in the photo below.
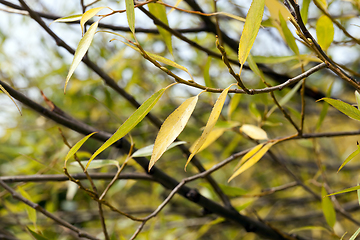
(254, 132)
(72, 18)
(234, 102)
(353, 237)
(252, 161)
(324, 32)
(77, 146)
(89, 14)
(4, 90)
(343, 107)
(357, 97)
(82, 48)
(305, 10)
(147, 151)
(275, 8)
(214, 115)
(350, 157)
(328, 209)
(345, 191)
(30, 211)
(290, 40)
(324, 108)
(159, 11)
(173, 125)
(130, 14)
(130, 123)
(251, 28)
(249, 154)
(213, 135)
(36, 235)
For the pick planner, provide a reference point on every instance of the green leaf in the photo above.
(130, 14)
(147, 151)
(89, 14)
(251, 28)
(253, 66)
(345, 191)
(282, 59)
(234, 102)
(288, 35)
(206, 71)
(98, 163)
(304, 10)
(36, 235)
(324, 108)
(77, 146)
(30, 211)
(347, 109)
(173, 125)
(350, 157)
(324, 32)
(159, 11)
(285, 99)
(72, 18)
(82, 48)
(130, 123)
(353, 237)
(328, 209)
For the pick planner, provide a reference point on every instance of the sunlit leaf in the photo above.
(350, 157)
(304, 10)
(357, 97)
(214, 115)
(77, 146)
(285, 99)
(159, 11)
(98, 163)
(81, 49)
(212, 137)
(173, 125)
(131, 122)
(254, 132)
(176, 5)
(252, 161)
(324, 32)
(249, 154)
(4, 91)
(229, 15)
(343, 107)
(345, 190)
(275, 8)
(234, 102)
(147, 151)
(162, 59)
(130, 14)
(328, 209)
(251, 28)
(290, 40)
(206, 71)
(282, 59)
(72, 18)
(30, 211)
(89, 14)
(322, 3)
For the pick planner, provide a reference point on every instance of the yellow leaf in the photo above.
(249, 154)
(322, 3)
(71, 18)
(254, 132)
(274, 7)
(213, 135)
(172, 127)
(130, 14)
(254, 159)
(251, 28)
(82, 48)
(214, 115)
(234, 102)
(324, 32)
(4, 90)
(89, 14)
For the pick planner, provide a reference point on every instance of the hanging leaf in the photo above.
(254, 132)
(72, 18)
(249, 154)
(213, 135)
(130, 123)
(253, 66)
(206, 71)
(77, 146)
(357, 97)
(276, 8)
(4, 90)
(304, 10)
(159, 11)
(234, 102)
(350, 157)
(130, 14)
(214, 115)
(290, 40)
(82, 48)
(324, 108)
(324, 32)
(328, 209)
(173, 125)
(30, 211)
(347, 109)
(147, 151)
(254, 159)
(89, 14)
(251, 28)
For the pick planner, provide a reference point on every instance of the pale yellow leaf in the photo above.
(89, 14)
(249, 154)
(213, 135)
(172, 127)
(274, 7)
(253, 160)
(214, 115)
(254, 132)
(324, 32)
